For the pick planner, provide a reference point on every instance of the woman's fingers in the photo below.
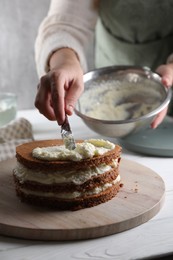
(57, 82)
(73, 93)
(159, 118)
(166, 72)
(43, 99)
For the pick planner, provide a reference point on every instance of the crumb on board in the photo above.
(135, 190)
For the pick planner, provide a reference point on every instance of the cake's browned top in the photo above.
(24, 156)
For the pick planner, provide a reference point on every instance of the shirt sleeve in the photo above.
(68, 24)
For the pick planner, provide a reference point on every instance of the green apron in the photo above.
(135, 32)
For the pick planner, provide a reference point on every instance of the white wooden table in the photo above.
(149, 240)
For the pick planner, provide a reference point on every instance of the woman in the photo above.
(134, 32)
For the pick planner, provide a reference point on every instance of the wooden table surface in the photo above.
(149, 240)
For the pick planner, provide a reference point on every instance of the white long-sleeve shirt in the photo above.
(68, 24)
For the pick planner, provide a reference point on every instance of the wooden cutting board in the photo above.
(140, 198)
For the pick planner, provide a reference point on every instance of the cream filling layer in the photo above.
(78, 177)
(72, 195)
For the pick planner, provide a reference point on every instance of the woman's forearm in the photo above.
(69, 24)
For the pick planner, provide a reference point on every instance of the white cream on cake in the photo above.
(87, 149)
(75, 194)
(61, 176)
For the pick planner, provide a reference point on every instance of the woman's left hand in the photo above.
(166, 73)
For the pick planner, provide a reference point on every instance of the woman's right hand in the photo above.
(166, 72)
(59, 90)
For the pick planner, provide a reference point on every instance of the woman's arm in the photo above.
(68, 24)
(60, 48)
(166, 72)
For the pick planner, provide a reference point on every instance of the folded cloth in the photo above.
(16, 132)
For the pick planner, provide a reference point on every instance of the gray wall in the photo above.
(19, 21)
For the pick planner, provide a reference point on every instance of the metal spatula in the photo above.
(67, 135)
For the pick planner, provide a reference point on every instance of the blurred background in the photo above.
(19, 21)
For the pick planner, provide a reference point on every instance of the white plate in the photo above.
(158, 142)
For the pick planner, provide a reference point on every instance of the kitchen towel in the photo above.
(15, 133)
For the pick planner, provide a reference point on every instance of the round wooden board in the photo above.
(140, 198)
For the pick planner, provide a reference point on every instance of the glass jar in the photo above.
(8, 107)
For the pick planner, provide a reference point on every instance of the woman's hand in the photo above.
(59, 90)
(166, 72)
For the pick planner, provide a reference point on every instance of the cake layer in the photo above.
(89, 184)
(40, 199)
(47, 174)
(24, 156)
(61, 176)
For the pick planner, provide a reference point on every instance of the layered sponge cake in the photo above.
(47, 174)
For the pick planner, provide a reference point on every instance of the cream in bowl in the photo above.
(120, 100)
